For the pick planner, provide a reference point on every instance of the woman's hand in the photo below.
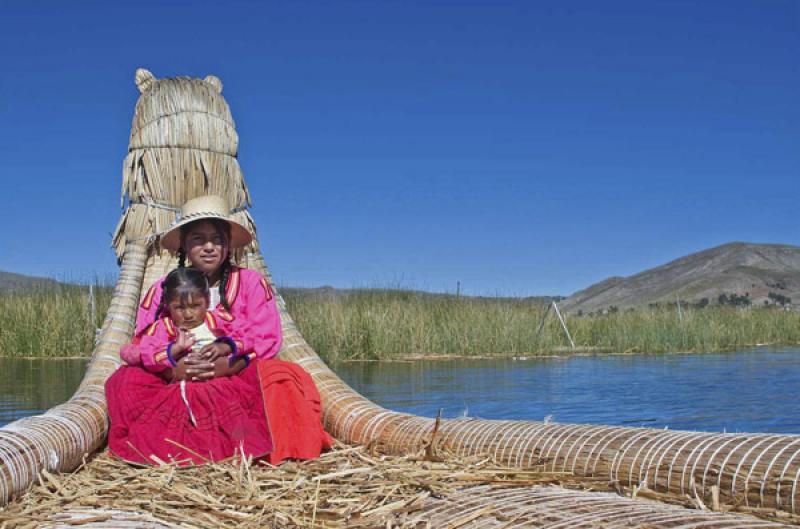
(214, 351)
(224, 368)
(195, 367)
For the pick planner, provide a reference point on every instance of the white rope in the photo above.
(590, 433)
(508, 432)
(769, 469)
(186, 402)
(713, 457)
(780, 479)
(607, 432)
(621, 432)
(643, 467)
(725, 463)
(686, 445)
(691, 437)
(484, 432)
(528, 439)
(619, 456)
(525, 435)
(471, 425)
(567, 436)
(703, 446)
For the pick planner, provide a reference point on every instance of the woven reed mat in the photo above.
(346, 487)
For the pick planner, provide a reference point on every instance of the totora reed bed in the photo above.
(391, 324)
(183, 144)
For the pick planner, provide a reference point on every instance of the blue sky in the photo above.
(518, 147)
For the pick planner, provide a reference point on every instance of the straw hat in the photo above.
(200, 208)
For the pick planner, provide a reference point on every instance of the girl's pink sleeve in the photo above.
(145, 315)
(130, 353)
(259, 331)
(153, 348)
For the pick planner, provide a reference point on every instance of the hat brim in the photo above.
(171, 239)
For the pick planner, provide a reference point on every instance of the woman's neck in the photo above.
(215, 278)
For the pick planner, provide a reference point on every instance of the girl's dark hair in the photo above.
(224, 228)
(180, 284)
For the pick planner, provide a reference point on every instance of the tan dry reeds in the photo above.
(347, 487)
(183, 144)
(169, 164)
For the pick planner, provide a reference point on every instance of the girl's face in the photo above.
(206, 247)
(188, 311)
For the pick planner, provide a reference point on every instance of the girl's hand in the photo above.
(214, 351)
(183, 343)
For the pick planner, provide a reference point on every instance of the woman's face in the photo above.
(206, 247)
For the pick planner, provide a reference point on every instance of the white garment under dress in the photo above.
(213, 298)
(202, 336)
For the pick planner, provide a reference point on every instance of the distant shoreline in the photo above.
(563, 352)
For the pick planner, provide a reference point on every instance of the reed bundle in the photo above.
(347, 487)
(183, 145)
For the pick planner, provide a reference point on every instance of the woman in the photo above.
(235, 396)
(204, 236)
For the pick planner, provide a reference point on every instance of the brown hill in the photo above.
(754, 273)
(11, 282)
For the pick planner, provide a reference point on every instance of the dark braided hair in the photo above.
(181, 264)
(223, 283)
(181, 283)
(160, 308)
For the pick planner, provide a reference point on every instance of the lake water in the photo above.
(747, 391)
(752, 391)
(31, 387)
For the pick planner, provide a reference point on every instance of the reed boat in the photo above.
(184, 144)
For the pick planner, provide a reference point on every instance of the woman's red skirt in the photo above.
(269, 409)
(199, 422)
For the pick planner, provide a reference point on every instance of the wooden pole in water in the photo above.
(563, 324)
(541, 323)
(92, 310)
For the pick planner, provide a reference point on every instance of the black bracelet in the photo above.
(234, 358)
(229, 341)
(169, 354)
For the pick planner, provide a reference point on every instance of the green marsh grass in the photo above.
(375, 324)
(392, 324)
(50, 321)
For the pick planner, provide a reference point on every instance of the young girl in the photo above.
(186, 326)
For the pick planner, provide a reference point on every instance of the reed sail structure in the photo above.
(184, 144)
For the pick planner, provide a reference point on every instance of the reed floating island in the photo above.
(390, 469)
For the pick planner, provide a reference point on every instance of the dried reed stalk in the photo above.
(347, 487)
